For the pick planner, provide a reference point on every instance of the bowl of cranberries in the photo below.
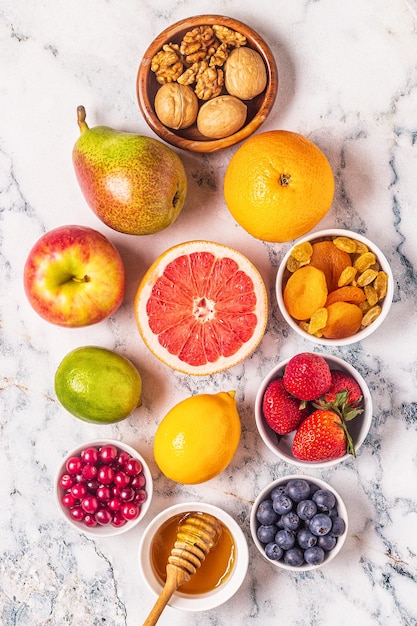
(313, 410)
(299, 523)
(103, 487)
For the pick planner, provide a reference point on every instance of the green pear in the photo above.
(134, 184)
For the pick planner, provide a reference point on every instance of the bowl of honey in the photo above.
(221, 573)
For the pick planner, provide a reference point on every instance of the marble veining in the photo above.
(348, 80)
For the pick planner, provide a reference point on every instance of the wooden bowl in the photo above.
(190, 138)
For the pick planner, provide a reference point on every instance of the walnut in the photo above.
(221, 117)
(228, 36)
(220, 55)
(176, 105)
(245, 73)
(167, 64)
(210, 81)
(190, 75)
(196, 44)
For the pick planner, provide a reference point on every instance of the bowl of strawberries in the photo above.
(313, 410)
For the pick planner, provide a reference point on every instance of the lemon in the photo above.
(98, 385)
(198, 437)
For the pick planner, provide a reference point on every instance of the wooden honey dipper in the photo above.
(197, 534)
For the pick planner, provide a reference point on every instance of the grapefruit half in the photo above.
(201, 307)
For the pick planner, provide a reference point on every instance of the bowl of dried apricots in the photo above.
(334, 287)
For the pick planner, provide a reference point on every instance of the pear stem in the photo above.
(81, 115)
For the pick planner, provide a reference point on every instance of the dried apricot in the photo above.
(330, 260)
(344, 320)
(305, 292)
(355, 295)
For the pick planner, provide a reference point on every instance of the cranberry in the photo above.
(79, 490)
(79, 478)
(73, 465)
(114, 504)
(133, 467)
(115, 491)
(66, 481)
(139, 481)
(89, 520)
(130, 511)
(92, 485)
(68, 500)
(77, 513)
(118, 520)
(121, 479)
(123, 458)
(89, 471)
(105, 474)
(103, 517)
(90, 455)
(140, 496)
(107, 454)
(90, 504)
(127, 494)
(103, 493)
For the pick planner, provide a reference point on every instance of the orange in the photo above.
(278, 185)
(197, 439)
(201, 307)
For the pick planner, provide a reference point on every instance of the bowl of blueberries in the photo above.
(299, 523)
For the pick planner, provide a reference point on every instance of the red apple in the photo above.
(74, 276)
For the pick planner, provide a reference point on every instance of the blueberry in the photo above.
(273, 551)
(282, 504)
(314, 555)
(324, 500)
(266, 532)
(306, 509)
(265, 514)
(277, 491)
(285, 538)
(327, 542)
(338, 526)
(294, 557)
(306, 539)
(320, 524)
(297, 489)
(290, 520)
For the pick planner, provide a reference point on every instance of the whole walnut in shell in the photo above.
(245, 73)
(221, 117)
(176, 105)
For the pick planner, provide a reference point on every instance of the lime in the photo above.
(98, 385)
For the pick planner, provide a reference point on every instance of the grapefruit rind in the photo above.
(224, 256)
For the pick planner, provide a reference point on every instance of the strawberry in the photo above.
(281, 410)
(307, 376)
(341, 381)
(321, 437)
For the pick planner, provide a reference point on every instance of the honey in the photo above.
(215, 568)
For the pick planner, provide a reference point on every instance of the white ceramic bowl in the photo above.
(203, 601)
(265, 494)
(283, 274)
(281, 445)
(104, 530)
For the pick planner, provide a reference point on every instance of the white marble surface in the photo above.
(348, 80)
